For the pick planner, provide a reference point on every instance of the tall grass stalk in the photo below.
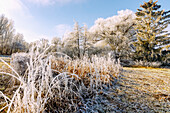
(54, 84)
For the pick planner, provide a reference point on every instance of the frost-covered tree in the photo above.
(18, 43)
(76, 42)
(86, 44)
(41, 44)
(57, 45)
(151, 35)
(6, 34)
(116, 32)
(9, 41)
(71, 41)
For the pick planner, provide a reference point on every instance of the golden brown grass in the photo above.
(84, 68)
(156, 79)
(6, 59)
(150, 85)
(4, 79)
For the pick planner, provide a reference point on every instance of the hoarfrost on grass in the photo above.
(59, 84)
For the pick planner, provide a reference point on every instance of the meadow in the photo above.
(114, 64)
(99, 84)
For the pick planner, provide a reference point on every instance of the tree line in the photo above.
(10, 42)
(138, 36)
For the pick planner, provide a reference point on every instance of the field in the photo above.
(134, 90)
(147, 85)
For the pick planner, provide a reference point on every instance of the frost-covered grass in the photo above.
(52, 84)
(59, 84)
(147, 64)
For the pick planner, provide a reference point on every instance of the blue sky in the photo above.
(37, 19)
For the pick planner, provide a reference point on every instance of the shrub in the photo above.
(19, 62)
(53, 84)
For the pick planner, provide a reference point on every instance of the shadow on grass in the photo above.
(127, 97)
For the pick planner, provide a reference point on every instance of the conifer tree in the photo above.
(76, 42)
(85, 40)
(72, 41)
(150, 31)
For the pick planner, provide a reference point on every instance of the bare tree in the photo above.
(9, 41)
(6, 34)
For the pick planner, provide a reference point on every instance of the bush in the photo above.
(54, 84)
(19, 62)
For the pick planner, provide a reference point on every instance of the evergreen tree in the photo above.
(72, 41)
(150, 31)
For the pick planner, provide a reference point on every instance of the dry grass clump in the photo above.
(147, 64)
(6, 59)
(101, 68)
(4, 80)
(53, 84)
(4, 67)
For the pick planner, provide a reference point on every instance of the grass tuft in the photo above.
(53, 84)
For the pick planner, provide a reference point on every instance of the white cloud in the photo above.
(49, 2)
(61, 29)
(13, 8)
(42, 2)
(18, 12)
(24, 22)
